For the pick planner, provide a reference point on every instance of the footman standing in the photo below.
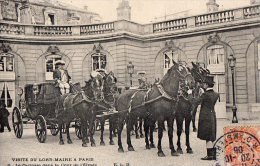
(207, 118)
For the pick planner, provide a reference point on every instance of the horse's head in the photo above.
(199, 72)
(97, 85)
(110, 83)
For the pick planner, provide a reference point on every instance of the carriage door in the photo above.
(216, 65)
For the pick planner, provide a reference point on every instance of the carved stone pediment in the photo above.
(98, 47)
(213, 38)
(5, 47)
(53, 49)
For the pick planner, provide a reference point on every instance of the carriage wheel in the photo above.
(41, 129)
(54, 130)
(17, 122)
(78, 129)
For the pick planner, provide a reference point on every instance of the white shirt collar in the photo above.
(209, 89)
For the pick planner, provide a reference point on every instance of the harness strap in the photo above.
(163, 92)
(130, 102)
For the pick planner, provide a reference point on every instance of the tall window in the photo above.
(50, 66)
(168, 57)
(99, 61)
(215, 55)
(6, 63)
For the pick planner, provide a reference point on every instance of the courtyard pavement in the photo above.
(27, 148)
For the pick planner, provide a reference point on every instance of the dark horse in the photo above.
(110, 95)
(186, 106)
(79, 105)
(155, 104)
(198, 73)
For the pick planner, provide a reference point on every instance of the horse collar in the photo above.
(164, 93)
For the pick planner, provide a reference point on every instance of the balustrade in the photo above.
(97, 29)
(52, 31)
(6, 28)
(170, 25)
(213, 18)
(252, 11)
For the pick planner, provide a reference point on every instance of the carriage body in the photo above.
(40, 99)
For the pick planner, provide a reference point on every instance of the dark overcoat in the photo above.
(207, 127)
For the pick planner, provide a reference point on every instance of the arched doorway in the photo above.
(46, 64)
(213, 56)
(98, 58)
(12, 76)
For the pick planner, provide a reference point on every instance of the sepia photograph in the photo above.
(129, 82)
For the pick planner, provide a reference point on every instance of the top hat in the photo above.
(209, 80)
(60, 62)
(141, 72)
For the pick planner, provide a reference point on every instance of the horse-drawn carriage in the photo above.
(39, 107)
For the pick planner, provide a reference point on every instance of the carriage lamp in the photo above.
(232, 64)
(130, 70)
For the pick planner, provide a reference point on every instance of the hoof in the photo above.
(111, 143)
(147, 147)
(131, 148)
(69, 141)
(194, 130)
(61, 142)
(84, 145)
(120, 150)
(142, 136)
(102, 143)
(174, 153)
(93, 144)
(137, 137)
(179, 150)
(152, 146)
(190, 151)
(161, 154)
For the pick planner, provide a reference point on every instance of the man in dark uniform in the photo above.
(4, 121)
(207, 127)
(62, 77)
(142, 80)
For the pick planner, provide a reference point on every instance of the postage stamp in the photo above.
(238, 146)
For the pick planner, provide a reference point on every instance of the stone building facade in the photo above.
(28, 53)
(45, 12)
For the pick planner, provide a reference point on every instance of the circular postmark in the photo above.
(237, 148)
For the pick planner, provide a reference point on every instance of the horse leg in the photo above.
(160, 135)
(179, 121)
(61, 139)
(146, 132)
(129, 125)
(119, 132)
(136, 130)
(141, 127)
(170, 136)
(152, 127)
(102, 124)
(111, 128)
(68, 133)
(91, 132)
(84, 132)
(187, 133)
(194, 111)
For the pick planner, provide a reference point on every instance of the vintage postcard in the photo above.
(129, 82)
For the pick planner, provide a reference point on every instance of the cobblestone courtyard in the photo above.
(28, 147)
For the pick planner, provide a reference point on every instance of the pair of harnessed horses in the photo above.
(165, 101)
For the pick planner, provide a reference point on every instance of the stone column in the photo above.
(26, 17)
(1, 3)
